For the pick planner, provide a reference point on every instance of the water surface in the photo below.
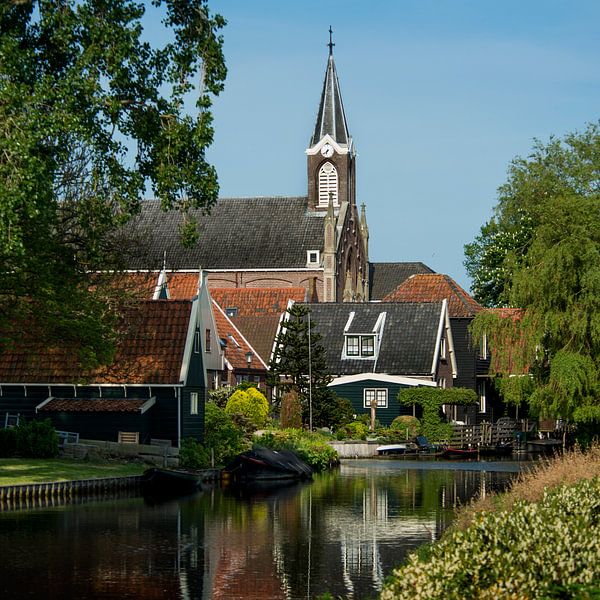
(342, 533)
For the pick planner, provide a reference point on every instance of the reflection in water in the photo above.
(342, 533)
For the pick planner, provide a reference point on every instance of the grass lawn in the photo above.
(15, 471)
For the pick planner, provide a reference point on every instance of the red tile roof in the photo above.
(254, 302)
(236, 346)
(433, 287)
(150, 351)
(182, 286)
(92, 405)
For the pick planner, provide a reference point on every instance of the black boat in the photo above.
(266, 464)
(170, 482)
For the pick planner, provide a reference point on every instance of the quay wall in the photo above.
(350, 449)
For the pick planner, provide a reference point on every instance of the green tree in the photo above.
(289, 367)
(251, 405)
(556, 281)
(91, 116)
(559, 168)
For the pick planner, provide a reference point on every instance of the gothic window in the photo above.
(328, 182)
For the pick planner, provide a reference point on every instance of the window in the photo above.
(328, 182)
(197, 342)
(442, 382)
(231, 311)
(207, 339)
(481, 394)
(378, 394)
(193, 403)
(443, 348)
(367, 345)
(312, 257)
(352, 345)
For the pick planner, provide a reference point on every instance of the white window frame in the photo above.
(208, 339)
(380, 393)
(194, 403)
(363, 338)
(196, 342)
(328, 182)
(353, 337)
(443, 348)
(316, 254)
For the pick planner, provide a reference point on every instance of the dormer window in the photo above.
(231, 311)
(367, 345)
(313, 258)
(352, 345)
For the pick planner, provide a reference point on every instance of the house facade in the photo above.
(155, 388)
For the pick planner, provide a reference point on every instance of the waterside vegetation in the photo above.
(541, 539)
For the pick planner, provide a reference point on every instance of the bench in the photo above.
(129, 437)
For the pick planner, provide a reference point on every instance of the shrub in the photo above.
(252, 405)
(37, 439)
(8, 443)
(549, 549)
(406, 424)
(330, 410)
(219, 396)
(353, 431)
(310, 447)
(193, 455)
(222, 435)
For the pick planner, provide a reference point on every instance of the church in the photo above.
(319, 241)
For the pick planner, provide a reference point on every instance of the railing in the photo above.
(488, 434)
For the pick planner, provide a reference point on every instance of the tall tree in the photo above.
(298, 353)
(559, 168)
(555, 280)
(91, 116)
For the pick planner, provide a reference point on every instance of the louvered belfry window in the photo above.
(328, 182)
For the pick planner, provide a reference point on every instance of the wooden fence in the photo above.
(488, 434)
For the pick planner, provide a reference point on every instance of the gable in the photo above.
(386, 277)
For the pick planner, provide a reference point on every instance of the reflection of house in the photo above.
(154, 387)
(374, 349)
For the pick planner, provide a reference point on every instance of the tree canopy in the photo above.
(92, 115)
(554, 277)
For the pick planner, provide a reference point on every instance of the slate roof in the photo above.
(150, 352)
(408, 341)
(248, 233)
(236, 346)
(385, 277)
(127, 405)
(331, 118)
(434, 287)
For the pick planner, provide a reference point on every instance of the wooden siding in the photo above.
(355, 393)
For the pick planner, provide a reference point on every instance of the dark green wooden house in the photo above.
(155, 387)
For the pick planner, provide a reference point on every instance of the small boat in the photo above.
(401, 448)
(500, 449)
(452, 452)
(170, 482)
(266, 464)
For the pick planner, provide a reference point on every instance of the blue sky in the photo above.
(439, 96)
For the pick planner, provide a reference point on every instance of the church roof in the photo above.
(331, 118)
(385, 277)
(249, 233)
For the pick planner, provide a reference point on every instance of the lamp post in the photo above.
(249, 356)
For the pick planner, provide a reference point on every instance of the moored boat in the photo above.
(452, 452)
(400, 448)
(170, 482)
(266, 464)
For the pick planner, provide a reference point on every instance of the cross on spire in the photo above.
(331, 44)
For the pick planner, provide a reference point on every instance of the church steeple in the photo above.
(331, 119)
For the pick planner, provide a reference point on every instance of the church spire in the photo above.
(331, 118)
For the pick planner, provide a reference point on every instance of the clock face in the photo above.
(327, 150)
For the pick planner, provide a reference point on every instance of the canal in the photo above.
(342, 533)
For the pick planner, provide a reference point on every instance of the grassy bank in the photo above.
(541, 539)
(15, 471)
